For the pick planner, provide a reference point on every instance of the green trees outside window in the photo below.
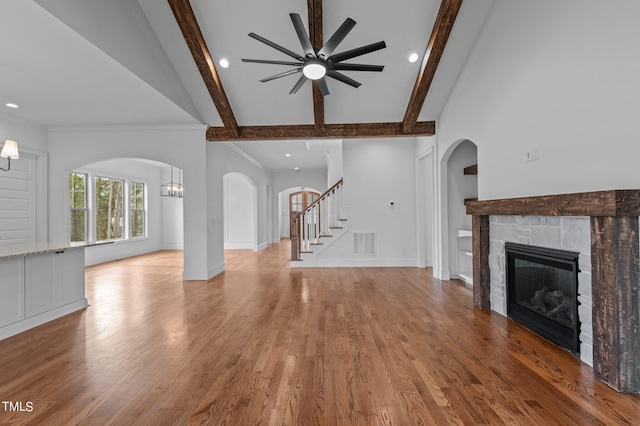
(78, 202)
(118, 207)
(109, 209)
(136, 210)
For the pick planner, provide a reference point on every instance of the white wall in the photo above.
(74, 147)
(132, 43)
(376, 172)
(562, 76)
(240, 209)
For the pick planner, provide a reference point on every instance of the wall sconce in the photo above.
(172, 189)
(9, 151)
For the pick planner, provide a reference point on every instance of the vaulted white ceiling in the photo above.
(92, 62)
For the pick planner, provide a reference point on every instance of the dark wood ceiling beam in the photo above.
(338, 131)
(195, 40)
(314, 8)
(437, 42)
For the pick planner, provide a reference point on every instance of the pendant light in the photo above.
(172, 189)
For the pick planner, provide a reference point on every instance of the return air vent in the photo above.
(364, 243)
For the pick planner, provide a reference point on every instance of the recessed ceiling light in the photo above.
(413, 57)
(10, 105)
(224, 63)
(297, 169)
(287, 155)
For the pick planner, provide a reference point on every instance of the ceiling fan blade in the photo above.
(336, 38)
(282, 74)
(276, 46)
(266, 61)
(357, 67)
(358, 51)
(302, 35)
(343, 78)
(298, 85)
(322, 85)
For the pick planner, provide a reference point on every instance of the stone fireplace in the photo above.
(602, 228)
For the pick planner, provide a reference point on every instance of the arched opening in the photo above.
(119, 200)
(290, 199)
(457, 186)
(240, 204)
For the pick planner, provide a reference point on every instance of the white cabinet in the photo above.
(38, 287)
(53, 280)
(464, 256)
(12, 299)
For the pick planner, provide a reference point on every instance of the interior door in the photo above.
(298, 202)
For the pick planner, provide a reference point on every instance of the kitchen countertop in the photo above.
(30, 249)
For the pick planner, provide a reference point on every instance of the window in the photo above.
(137, 211)
(109, 209)
(78, 204)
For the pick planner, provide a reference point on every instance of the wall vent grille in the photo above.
(364, 243)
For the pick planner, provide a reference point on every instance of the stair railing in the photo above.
(316, 221)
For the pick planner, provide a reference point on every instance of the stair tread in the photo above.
(335, 227)
(343, 220)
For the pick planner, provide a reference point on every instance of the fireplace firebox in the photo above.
(542, 292)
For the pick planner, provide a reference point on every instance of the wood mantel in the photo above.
(614, 203)
(615, 279)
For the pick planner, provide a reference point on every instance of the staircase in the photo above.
(320, 222)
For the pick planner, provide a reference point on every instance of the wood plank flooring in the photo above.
(265, 344)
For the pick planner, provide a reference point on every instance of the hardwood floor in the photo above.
(265, 344)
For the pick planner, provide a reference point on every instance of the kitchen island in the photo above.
(40, 282)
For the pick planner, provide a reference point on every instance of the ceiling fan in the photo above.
(318, 63)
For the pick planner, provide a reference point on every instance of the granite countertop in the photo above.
(29, 249)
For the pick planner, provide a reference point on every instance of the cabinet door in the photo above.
(12, 302)
(40, 283)
(69, 274)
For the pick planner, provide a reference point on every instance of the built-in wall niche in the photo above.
(462, 185)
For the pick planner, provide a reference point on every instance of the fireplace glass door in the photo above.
(542, 292)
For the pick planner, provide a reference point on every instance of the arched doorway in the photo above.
(284, 209)
(120, 200)
(456, 187)
(298, 202)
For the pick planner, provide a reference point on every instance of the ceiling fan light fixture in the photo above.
(314, 69)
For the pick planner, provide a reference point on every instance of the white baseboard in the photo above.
(216, 270)
(261, 247)
(34, 321)
(247, 245)
(353, 262)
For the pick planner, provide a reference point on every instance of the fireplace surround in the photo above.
(615, 277)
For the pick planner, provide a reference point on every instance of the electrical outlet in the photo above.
(532, 154)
